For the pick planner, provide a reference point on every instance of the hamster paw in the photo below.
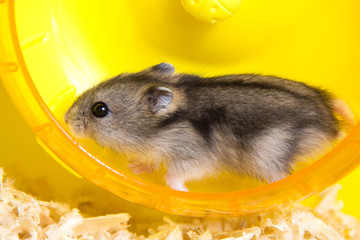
(138, 167)
(176, 184)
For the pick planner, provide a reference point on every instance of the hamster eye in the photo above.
(100, 109)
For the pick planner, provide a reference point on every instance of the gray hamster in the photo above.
(246, 124)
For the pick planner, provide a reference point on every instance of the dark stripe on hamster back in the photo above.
(203, 123)
(193, 81)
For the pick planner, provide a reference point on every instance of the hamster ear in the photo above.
(165, 68)
(158, 97)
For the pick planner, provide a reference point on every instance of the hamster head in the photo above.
(123, 111)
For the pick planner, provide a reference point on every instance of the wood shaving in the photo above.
(24, 217)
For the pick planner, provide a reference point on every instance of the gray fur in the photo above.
(243, 124)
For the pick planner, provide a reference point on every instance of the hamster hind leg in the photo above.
(271, 155)
(280, 149)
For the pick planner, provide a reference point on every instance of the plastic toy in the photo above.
(211, 10)
(50, 51)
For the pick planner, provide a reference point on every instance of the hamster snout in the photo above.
(246, 124)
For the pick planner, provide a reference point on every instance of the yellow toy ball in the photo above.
(211, 10)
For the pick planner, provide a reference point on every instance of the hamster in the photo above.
(246, 124)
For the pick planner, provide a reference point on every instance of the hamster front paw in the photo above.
(139, 167)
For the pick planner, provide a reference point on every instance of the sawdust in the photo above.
(24, 217)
